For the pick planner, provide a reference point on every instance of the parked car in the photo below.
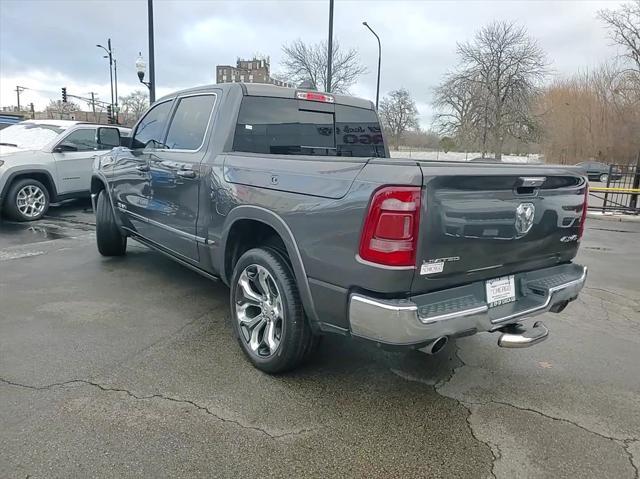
(597, 171)
(291, 199)
(46, 161)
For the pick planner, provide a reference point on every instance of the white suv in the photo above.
(47, 161)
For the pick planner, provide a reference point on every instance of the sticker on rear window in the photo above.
(432, 268)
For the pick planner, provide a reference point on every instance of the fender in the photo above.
(268, 217)
(94, 198)
(53, 194)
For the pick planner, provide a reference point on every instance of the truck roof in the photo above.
(265, 89)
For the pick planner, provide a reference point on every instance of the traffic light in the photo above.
(110, 115)
(64, 94)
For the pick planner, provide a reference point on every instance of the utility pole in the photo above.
(329, 46)
(110, 68)
(115, 74)
(152, 69)
(93, 105)
(19, 89)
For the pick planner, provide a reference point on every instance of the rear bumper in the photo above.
(462, 310)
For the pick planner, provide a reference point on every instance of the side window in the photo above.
(358, 132)
(151, 128)
(277, 126)
(189, 123)
(83, 140)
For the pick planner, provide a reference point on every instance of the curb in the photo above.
(620, 218)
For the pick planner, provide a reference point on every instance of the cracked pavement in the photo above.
(127, 368)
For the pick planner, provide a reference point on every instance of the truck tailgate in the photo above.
(487, 221)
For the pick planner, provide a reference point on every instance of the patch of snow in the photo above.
(460, 156)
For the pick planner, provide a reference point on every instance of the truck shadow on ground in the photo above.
(335, 354)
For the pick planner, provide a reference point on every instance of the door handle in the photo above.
(186, 173)
(144, 167)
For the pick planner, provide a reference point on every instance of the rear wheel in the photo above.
(27, 200)
(604, 177)
(111, 242)
(267, 314)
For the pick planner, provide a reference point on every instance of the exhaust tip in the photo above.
(437, 345)
(559, 307)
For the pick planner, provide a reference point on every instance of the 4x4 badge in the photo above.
(524, 218)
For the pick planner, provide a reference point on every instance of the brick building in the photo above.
(248, 71)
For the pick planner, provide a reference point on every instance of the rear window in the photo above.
(292, 127)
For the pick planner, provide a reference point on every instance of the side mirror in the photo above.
(108, 138)
(65, 147)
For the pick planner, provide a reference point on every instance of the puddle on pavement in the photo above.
(25, 233)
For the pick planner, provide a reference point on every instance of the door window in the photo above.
(189, 123)
(83, 140)
(150, 130)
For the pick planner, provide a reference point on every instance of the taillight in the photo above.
(390, 232)
(583, 218)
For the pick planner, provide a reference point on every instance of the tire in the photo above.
(27, 200)
(108, 237)
(603, 178)
(254, 314)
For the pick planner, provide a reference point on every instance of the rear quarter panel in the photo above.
(323, 202)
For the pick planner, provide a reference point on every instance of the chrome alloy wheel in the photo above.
(31, 201)
(259, 310)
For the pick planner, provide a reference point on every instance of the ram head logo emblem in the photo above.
(524, 218)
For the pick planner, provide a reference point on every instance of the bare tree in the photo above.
(61, 109)
(624, 29)
(399, 114)
(308, 62)
(457, 106)
(419, 139)
(133, 106)
(499, 76)
(586, 116)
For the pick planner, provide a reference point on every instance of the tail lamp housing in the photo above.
(390, 232)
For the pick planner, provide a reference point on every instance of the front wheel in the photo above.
(603, 178)
(267, 314)
(111, 242)
(27, 200)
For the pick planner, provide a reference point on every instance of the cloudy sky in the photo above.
(48, 44)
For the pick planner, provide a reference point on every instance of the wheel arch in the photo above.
(43, 176)
(99, 183)
(264, 220)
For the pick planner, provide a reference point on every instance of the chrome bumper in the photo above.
(463, 310)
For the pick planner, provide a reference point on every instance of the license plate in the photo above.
(501, 291)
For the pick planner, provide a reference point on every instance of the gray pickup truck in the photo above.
(290, 198)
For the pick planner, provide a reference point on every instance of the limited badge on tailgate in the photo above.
(436, 265)
(501, 290)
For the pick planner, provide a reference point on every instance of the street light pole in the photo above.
(152, 70)
(379, 60)
(110, 57)
(330, 47)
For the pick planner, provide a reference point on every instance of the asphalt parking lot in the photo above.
(126, 368)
